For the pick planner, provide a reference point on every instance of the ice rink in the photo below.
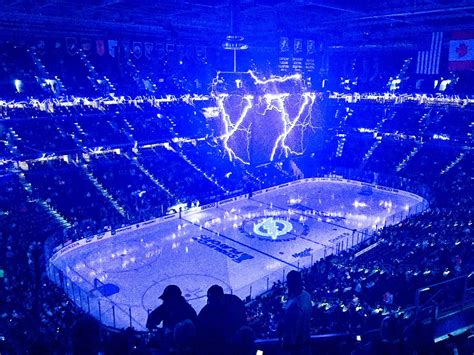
(243, 244)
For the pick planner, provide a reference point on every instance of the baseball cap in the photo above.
(170, 292)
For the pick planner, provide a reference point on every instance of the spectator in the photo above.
(244, 341)
(418, 338)
(295, 326)
(219, 320)
(184, 338)
(173, 310)
(86, 336)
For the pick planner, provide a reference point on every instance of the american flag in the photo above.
(428, 60)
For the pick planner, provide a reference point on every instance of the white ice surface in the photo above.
(219, 246)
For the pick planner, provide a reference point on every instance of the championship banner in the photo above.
(137, 50)
(86, 44)
(100, 47)
(298, 45)
(201, 52)
(126, 49)
(310, 47)
(160, 48)
(180, 50)
(40, 45)
(284, 59)
(284, 44)
(298, 55)
(112, 47)
(71, 45)
(148, 50)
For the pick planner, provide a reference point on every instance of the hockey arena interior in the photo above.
(243, 177)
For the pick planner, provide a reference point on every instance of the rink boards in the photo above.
(244, 244)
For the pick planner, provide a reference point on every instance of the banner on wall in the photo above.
(100, 47)
(201, 52)
(137, 50)
(86, 44)
(126, 49)
(40, 44)
(148, 50)
(71, 45)
(169, 47)
(297, 55)
(112, 46)
(298, 45)
(310, 47)
(284, 44)
(180, 50)
(160, 48)
(284, 59)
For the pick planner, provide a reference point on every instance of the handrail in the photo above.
(431, 301)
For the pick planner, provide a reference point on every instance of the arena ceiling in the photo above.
(331, 20)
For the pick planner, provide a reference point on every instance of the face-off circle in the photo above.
(273, 229)
(121, 256)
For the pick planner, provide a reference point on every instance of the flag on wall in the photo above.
(428, 60)
(461, 51)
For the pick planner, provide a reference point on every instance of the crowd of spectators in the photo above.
(143, 172)
(33, 70)
(349, 294)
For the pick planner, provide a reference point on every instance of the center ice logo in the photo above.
(273, 228)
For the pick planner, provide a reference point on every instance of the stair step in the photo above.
(104, 192)
(154, 179)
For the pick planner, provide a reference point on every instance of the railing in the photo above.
(321, 343)
(371, 177)
(92, 302)
(445, 297)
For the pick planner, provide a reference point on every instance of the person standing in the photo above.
(219, 321)
(295, 324)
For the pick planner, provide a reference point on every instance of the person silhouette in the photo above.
(219, 320)
(173, 310)
(295, 324)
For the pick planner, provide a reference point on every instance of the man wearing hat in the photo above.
(173, 310)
